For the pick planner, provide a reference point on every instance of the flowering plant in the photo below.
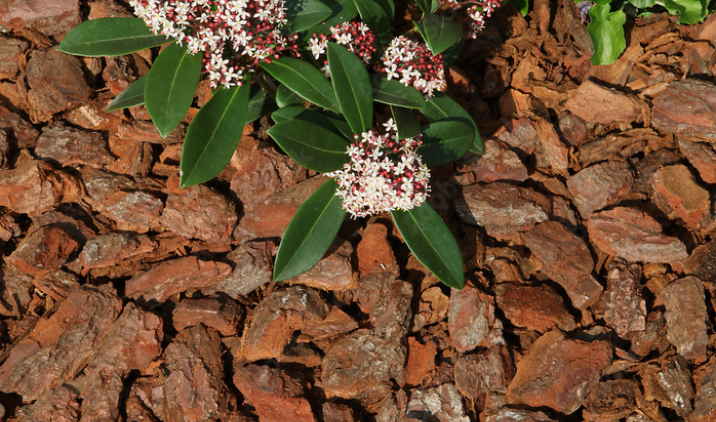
(329, 66)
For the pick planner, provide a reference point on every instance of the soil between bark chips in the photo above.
(587, 228)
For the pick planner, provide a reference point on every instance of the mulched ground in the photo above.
(587, 228)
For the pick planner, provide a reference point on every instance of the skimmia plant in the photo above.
(323, 69)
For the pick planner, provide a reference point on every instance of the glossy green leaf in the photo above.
(440, 33)
(311, 145)
(110, 37)
(427, 6)
(431, 242)
(523, 6)
(389, 7)
(392, 92)
(310, 232)
(342, 11)
(373, 15)
(260, 104)
(340, 124)
(304, 14)
(303, 79)
(301, 113)
(606, 31)
(213, 135)
(285, 97)
(170, 87)
(442, 107)
(453, 53)
(689, 11)
(132, 95)
(352, 86)
(445, 142)
(406, 121)
(642, 4)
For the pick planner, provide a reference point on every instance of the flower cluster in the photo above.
(251, 28)
(478, 12)
(355, 36)
(384, 174)
(413, 64)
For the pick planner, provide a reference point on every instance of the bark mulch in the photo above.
(587, 228)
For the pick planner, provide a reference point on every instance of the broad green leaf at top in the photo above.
(303, 79)
(445, 142)
(440, 33)
(310, 232)
(432, 243)
(689, 11)
(352, 87)
(377, 19)
(606, 31)
(442, 107)
(311, 145)
(304, 14)
(110, 37)
(170, 87)
(132, 95)
(393, 92)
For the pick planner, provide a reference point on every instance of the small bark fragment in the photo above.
(57, 405)
(34, 187)
(538, 308)
(45, 249)
(597, 104)
(600, 185)
(624, 308)
(440, 404)
(421, 360)
(479, 374)
(69, 146)
(497, 163)
(686, 107)
(686, 317)
(701, 155)
(253, 268)
(221, 314)
(113, 248)
(470, 315)
(678, 195)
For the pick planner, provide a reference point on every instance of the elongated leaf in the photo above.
(260, 104)
(341, 11)
(340, 124)
(352, 86)
(213, 135)
(310, 232)
(523, 6)
(131, 96)
(439, 32)
(445, 142)
(311, 145)
(389, 7)
(285, 97)
(442, 107)
(689, 11)
(304, 14)
(425, 5)
(303, 79)
(606, 31)
(301, 113)
(377, 19)
(170, 87)
(110, 37)
(406, 121)
(392, 92)
(431, 242)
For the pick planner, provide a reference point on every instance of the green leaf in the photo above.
(170, 87)
(445, 142)
(285, 97)
(301, 113)
(304, 14)
(131, 96)
(341, 11)
(340, 124)
(606, 31)
(442, 107)
(453, 53)
(689, 11)
(373, 15)
(260, 104)
(110, 37)
(310, 232)
(214, 134)
(427, 6)
(389, 7)
(439, 32)
(393, 92)
(431, 242)
(303, 79)
(352, 86)
(523, 6)
(642, 4)
(406, 121)
(311, 145)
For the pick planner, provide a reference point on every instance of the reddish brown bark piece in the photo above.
(702, 261)
(92, 115)
(595, 187)
(334, 412)
(597, 104)
(432, 308)
(276, 396)
(174, 276)
(476, 375)
(60, 345)
(552, 156)
(17, 291)
(421, 360)
(253, 267)
(677, 194)
(633, 235)
(112, 248)
(439, 404)
(333, 272)
(58, 405)
(653, 337)
(624, 308)
(701, 155)
(686, 107)
(45, 249)
(132, 157)
(11, 49)
(56, 84)
(69, 146)
(139, 131)
(566, 260)
(54, 19)
(194, 387)
(669, 385)
(198, 212)
(611, 400)
(705, 401)
(222, 315)
(558, 373)
(374, 252)
(133, 342)
(502, 209)
(278, 317)
(497, 163)
(686, 317)
(536, 308)
(470, 315)
(34, 187)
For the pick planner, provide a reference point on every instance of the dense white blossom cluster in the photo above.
(478, 11)
(413, 64)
